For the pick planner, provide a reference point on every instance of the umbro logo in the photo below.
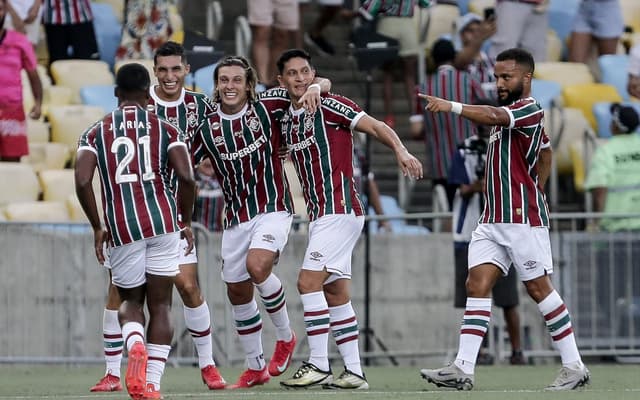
(268, 238)
(316, 256)
(529, 265)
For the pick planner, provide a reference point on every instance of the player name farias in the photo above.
(303, 144)
(132, 125)
(246, 150)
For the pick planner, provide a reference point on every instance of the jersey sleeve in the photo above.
(524, 113)
(340, 110)
(275, 100)
(87, 141)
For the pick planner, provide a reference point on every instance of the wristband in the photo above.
(315, 85)
(456, 107)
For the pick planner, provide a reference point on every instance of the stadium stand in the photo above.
(631, 13)
(478, 6)
(203, 79)
(565, 73)
(19, 181)
(437, 20)
(584, 96)
(117, 6)
(613, 71)
(57, 184)
(75, 74)
(108, 29)
(37, 131)
(47, 156)
(602, 113)
(69, 122)
(243, 37)
(399, 226)
(148, 64)
(37, 211)
(99, 95)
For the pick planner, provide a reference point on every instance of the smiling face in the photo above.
(296, 77)
(170, 72)
(513, 82)
(232, 88)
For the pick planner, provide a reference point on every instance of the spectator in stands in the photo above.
(472, 32)
(442, 132)
(521, 23)
(24, 17)
(329, 9)
(209, 207)
(274, 24)
(320, 145)
(467, 176)
(141, 218)
(633, 71)
(613, 176)
(399, 22)
(146, 27)
(16, 54)
(599, 22)
(69, 23)
(514, 229)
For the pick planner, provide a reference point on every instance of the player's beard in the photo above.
(514, 95)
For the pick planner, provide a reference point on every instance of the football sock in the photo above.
(112, 335)
(344, 327)
(198, 321)
(157, 354)
(474, 327)
(272, 295)
(558, 321)
(316, 320)
(132, 332)
(249, 328)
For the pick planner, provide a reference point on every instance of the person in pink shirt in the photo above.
(16, 53)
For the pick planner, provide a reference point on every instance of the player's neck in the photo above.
(232, 109)
(165, 96)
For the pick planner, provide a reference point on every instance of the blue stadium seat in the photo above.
(398, 226)
(602, 113)
(99, 95)
(108, 31)
(613, 68)
(546, 92)
(204, 79)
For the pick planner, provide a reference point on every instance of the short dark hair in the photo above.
(170, 49)
(443, 51)
(288, 55)
(249, 73)
(133, 77)
(520, 56)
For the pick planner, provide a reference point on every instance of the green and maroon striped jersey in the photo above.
(512, 193)
(243, 149)
(131, 146)
(321, 147)
(65, 12)
(187, 113)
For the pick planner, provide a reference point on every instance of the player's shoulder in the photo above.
(274, 93)
(334, 100)
(525, 103)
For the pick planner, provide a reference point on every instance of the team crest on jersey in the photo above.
(308, 121)
(254, 124)
(192, 119)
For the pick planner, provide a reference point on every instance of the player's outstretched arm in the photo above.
(484, 115)
(409, 164)
(85, 166)
(179, 159)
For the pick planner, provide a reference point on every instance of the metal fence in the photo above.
(53, 291)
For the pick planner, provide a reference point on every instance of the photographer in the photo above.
(467, 176)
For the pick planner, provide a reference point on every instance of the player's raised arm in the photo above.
(484, 115)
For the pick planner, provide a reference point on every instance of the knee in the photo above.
(306, 284)
(538, 289)
(190, 293)
(259, 268)
(477, 287)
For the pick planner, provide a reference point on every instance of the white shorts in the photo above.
(332, 239)
(268, 231)
(154, 256)
(191, 258)
(281, 14)
(528, 248)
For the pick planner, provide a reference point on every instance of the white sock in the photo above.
(112, 335)
(474, 326)
(316, 320)
(249, 328)
(158, 354)
(198, 321)
(273, 298)
(344, 326)
(132, 332)
(558, 321)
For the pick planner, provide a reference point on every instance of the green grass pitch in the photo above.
(609, 382)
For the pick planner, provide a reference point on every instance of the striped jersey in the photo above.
(512, 193)
(66, 12)
(321, 148)
(243, 149)
(392, 8)
(444, 131)
(131, 146)
(209, 205)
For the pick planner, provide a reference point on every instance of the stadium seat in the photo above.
(177, 25)
(47, 156)
(108, 30)
(631, 13)
(613, 71)
(72, 203)
(37, 131)
(37, 211)
(57, 184)
(148, 64)
(19, 183)
(99, 95)
(547, 93)
(75, 74)
(555, 47)
(390, 207)
(602, 113)
(584, 96)
(69, 122)
(117, 6)
(565, 73)
(478, 6)
(439, 19)
(203, 79)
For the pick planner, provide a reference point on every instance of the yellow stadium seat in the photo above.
(441, 21)
(37, 211)
(177, 24)
(18, 182)
(69, 122)
(57, 184)
(75, 209)
(554, 46)
(47, 156)
(478, 6)
(574, 125)
(75, 74)
(584, 96)
(148, 64)
(631, 13)
(565, 73)
(37, 131)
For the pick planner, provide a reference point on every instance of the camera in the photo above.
(478, 147)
